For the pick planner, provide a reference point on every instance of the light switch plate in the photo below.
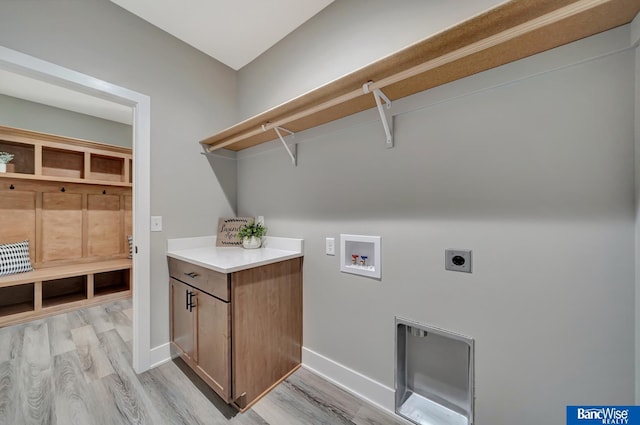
(457, 260)
(156, 223)
(330, 246)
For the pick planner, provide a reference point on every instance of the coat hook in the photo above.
(104, 192)
(62, 190)
(12, 187)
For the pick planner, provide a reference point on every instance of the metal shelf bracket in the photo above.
(292, 151)
(387, 119)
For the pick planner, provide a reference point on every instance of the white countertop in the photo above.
(203, 251)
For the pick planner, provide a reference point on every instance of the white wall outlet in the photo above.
(330, 246)
(457, 260)
(156, 223)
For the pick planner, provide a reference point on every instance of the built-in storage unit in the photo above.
(47, 157)
(51, 290)
(200, 315)
(71, 199)
(241, 331)
(360, 254)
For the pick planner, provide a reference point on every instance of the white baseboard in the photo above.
(349, 380)
(158, 355)
(340, 375)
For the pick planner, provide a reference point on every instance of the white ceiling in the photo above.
(235, 32)
(232, 31)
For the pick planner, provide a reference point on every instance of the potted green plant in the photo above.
(251, 235)
(5, 158)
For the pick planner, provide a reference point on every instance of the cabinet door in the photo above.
(182, 320)
(212, 340)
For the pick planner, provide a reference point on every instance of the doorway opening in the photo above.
(27, 66)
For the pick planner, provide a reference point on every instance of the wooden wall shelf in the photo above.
(509, 32)
(40, 156)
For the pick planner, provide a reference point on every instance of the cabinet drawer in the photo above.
(202, 278)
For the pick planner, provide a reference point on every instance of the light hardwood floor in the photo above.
(75, 368)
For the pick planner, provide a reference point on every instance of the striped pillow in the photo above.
(14, 258)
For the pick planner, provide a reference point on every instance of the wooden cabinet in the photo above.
(247, 339)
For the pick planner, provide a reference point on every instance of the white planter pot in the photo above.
(3, 168)
(252, 242)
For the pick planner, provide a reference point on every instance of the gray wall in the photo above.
(24, 114)
(345, 36)
(192, 96)
(531, 166)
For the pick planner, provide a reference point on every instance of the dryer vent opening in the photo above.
(434, 375)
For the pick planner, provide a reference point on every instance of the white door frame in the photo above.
(21, 63)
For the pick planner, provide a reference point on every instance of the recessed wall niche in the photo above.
(360, 255)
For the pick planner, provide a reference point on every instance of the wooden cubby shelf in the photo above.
(39, 293)
(107, 168)
(64, 291)
(24, 160)
(72, 200)
(111, 282)
(39, 156)
(17, 300)
(62, 163)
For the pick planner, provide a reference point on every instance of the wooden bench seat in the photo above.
(53, 290)
(60, 272)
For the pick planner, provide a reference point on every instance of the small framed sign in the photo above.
(228, 230)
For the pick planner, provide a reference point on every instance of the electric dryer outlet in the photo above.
(457, 260)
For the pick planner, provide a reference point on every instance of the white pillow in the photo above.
(14, 258)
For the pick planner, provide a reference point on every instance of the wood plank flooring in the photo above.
(75, 368)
